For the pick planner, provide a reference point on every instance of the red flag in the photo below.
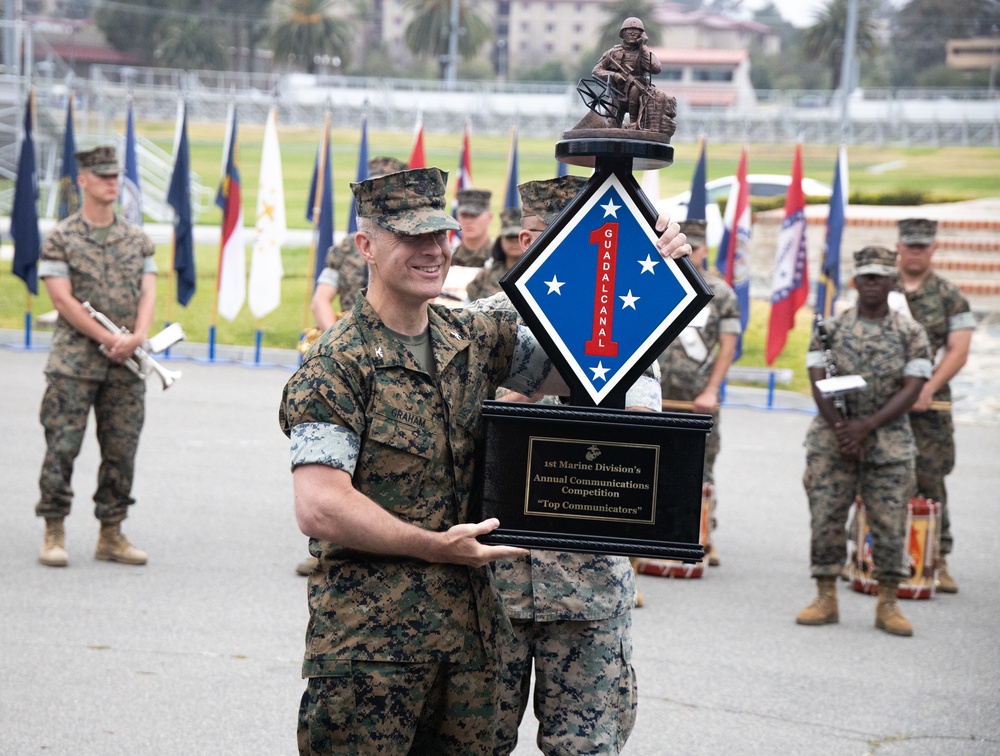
(790, 283)
(417, 159)
(464, 180)
(231, 284)
(733, 257)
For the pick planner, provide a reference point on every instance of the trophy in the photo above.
(590, 475)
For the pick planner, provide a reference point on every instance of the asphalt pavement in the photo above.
(199, 651)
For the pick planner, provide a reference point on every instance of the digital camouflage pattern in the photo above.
(473, 201)
(351, 269)
(940, 308)
(510, 221)
(418, 708)
(875, 261)
(917, 232)
(472, 258)
(107, 275)
(684, 378)
(585, 687)
(100, 160)
(546, 199)
(406, 202)
(487, 281)
(79, 376)
(882, 352)
(420, 441)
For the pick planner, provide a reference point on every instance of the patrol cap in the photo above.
(474, 201)
(696, 232)
(548, 198)
(875, 261)
(510, 222)
(100, 160)
(406, 202)
(383, 164)
(917, 232)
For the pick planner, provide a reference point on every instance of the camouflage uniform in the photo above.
(473, 258)
(940, 308)
(414, 644)
(883, 353)
(684, 376)
(487, 281)
(346, 271)
(79, 376)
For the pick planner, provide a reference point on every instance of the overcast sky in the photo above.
(800, 12)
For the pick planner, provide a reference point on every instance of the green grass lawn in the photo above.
(952, 172)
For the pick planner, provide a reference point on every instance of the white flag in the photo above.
(266, 270)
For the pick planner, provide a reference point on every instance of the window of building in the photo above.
(550, 28)
(711, 74)
(672, 74)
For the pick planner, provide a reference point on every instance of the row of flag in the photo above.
(261, 291)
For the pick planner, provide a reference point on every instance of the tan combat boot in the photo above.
(943, 581)
(53, 553)
(713, 556)
(888, 616)
(113, 546)
(823, 609)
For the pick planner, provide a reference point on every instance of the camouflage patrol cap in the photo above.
(510, 222)
(100, 160)
(875, 261)
(548, 198)
(383, 164)
(406, 202)
(696, 232)
(474, 201)
(917, 232)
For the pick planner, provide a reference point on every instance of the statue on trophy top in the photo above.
(622, 86)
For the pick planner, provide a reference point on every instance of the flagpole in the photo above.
(317, 201)
(27, 321)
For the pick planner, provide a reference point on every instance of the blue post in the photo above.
(166, 352)
(211, 343)
(722, 391)
(27, 330)
(770, 390)
(256, 351)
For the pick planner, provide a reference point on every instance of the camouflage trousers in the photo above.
(585, 690)
(935, 435)
(831, 484)
(391, 708)
(119, 409)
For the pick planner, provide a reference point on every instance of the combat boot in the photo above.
(713, 556)
(113, 546)
(943, 581)
(53, 553)
(823, 609)
(888, 616)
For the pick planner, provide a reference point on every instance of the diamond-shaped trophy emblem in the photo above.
(596, 291)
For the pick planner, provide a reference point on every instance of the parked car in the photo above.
(761, 185)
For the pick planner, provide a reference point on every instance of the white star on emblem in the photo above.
(648, 264)
(600, 372)
(629, 300)
(554, 285)
(611, 208)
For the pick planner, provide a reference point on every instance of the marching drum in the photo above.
(923, 535)
(678, 569)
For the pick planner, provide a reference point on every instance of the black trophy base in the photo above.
(594, 480)
(645, 154)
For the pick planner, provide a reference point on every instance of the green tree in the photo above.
(190, 43)
(824, 40)
(427, 34)
(618, 11)
(136, 30)
(305, 29)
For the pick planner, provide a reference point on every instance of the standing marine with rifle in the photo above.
(869, 449)
(96, 256)
(629, 67)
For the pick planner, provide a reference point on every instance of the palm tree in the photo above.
(824, 40)
(306, 29)
(190, 43)
(427, 34)
(618, 11)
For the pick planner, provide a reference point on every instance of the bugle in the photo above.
(141, 362)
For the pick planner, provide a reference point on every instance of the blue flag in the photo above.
(24, 211)
(179, 198)
(321, 200)
(361, 175)
(69, 192)
(828, 283)
(562, 169)
(699, 197)
(129, 195)
(512, 200)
